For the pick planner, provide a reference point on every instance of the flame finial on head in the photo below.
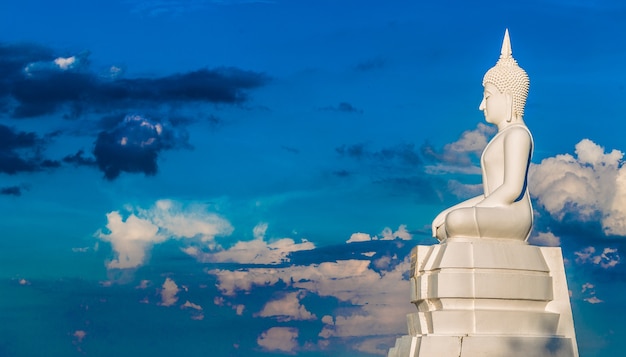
(509, 77)
(506, 51)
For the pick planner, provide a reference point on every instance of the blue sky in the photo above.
(248, 177)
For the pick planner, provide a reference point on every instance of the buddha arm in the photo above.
(517, 149)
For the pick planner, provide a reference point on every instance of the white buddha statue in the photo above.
(504, 211)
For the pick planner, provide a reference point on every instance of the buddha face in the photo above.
(496, 105)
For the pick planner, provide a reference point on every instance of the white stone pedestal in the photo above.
(488, 298)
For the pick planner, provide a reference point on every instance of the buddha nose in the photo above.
(482, 105)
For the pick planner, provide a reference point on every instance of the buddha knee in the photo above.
(462, 223)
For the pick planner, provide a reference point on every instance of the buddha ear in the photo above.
(509, 106)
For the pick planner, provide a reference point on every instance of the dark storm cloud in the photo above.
(109, 122)
(344, 107)
(132, 146)
(11, 139)
(48, 91)
(35, 82)
(79, 160)
(221, 85)
(13, 59)
(20, 152)
(11, 191)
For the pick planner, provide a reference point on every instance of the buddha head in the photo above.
(509, 78)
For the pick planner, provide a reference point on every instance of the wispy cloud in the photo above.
(463, 190)
(589, 290)
(78, 337)
(344, 107)
(460, 156)
(190, 305)
(593, 300)
(608, 258)
(257, 251)
(21, 152)
(179, 7)
(426, 171)
(371, 64)
(401, 154)
(374, 302)
(196, 310)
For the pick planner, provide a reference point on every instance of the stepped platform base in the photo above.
(488, 298)
(481, 346)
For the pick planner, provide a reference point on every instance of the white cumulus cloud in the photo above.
(132, 237)
(168, 293)
(359, 237)
(547, 239)
(287, 308)
(400, 233)
(380, 298)
(129, 239)
(588, 186)
(187, 222)
(65, 63)
(387, 234)
(284, 339)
